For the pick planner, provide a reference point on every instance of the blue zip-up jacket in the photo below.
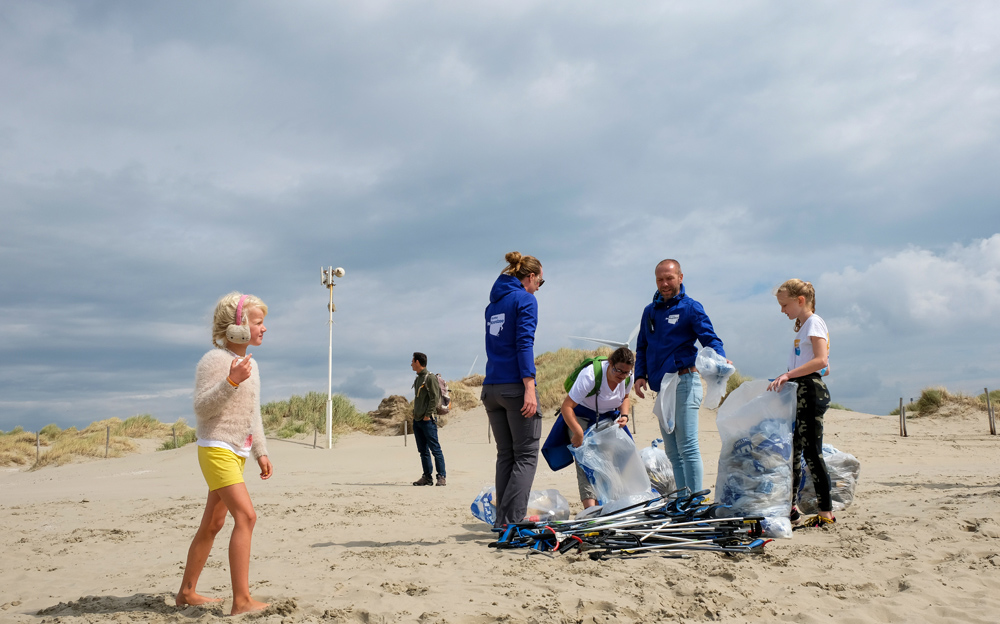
(667, 333)
(511, 318)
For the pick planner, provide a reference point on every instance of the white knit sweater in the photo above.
(226, 413)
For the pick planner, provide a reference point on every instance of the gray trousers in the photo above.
(517, 449)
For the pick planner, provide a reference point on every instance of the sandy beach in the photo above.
(342, 536)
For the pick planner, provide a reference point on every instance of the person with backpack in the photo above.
(598, 394)
(426, 401)
(665, 350)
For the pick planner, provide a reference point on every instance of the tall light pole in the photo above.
(326, 277)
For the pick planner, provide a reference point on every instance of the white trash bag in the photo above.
(609, 459)
(658, 468)
(715, 370)
(844, 470)
(665, 405)
(755, 465)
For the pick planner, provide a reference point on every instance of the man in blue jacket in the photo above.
(668, 330)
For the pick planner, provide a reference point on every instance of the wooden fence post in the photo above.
(38, 447)
(173, 430)
(315, 436)
(405, 423)
(989, 412)
(902, 419)
(107, 443)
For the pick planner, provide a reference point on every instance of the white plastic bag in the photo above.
(658, 468)
(543, 506)
(715, 370)
(611, 463)
(665, 406)
(547, 505)
(755, 464)
(844, 470)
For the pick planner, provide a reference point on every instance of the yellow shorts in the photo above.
(220, 467)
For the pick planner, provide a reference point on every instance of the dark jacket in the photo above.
(426, 395)
(666, 347)
(511, 318)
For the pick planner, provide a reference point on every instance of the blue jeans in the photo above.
(681, 446)
(425, 432)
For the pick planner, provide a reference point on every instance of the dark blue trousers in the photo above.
(425, 432)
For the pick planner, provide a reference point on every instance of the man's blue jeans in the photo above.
(681, 446)
(425, 432)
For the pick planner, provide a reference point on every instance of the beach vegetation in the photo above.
(304, 414)
(938, 400)
(17, 447)
(838, 406)
(735, 380)
(551, 370)
(184, 435)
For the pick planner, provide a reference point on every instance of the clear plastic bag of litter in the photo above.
(755, 464)
(609, 459)
(715, 370)
(658, 468)
(844, 470)
(546, 506)
(543, 506)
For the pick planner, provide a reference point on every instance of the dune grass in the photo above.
(551, 370)
(61, 446)
(17, 447)
(304, 414)
(938, 400)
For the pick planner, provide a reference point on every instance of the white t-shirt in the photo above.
(802, 352)
(609, 399)
(242, 452)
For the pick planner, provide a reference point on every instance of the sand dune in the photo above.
(342, 536)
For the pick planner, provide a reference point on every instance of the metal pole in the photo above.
(329, 380)
(107, 443)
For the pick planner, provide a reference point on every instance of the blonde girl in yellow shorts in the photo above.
(227, 406)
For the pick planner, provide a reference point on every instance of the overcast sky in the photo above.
(154, 156)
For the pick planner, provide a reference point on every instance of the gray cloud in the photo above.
(152, 160)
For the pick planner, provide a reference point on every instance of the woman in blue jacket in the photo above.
(509, 388)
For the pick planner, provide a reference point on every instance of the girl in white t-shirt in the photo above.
(808, 362)
(609, 406)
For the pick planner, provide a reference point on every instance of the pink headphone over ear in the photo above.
(238, 333)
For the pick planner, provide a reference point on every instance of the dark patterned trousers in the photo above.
(807, 440)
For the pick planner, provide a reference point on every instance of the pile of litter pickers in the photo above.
(673, 524)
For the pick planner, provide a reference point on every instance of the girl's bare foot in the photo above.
(194, 599)
(248, 607)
